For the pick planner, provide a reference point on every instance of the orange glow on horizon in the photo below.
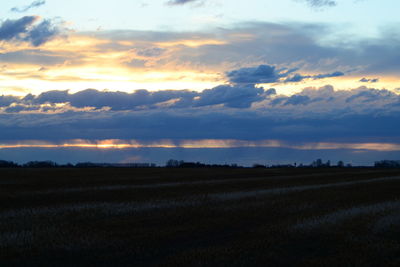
(115, 144)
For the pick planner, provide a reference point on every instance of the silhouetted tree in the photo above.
(40, 164)
(387, 164)
(173, 163)
(8, 164)
(259, 166)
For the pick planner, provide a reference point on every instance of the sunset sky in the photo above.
(257, 81)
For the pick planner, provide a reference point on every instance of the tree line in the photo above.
(172, 163)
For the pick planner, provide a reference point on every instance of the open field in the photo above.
(199, 217)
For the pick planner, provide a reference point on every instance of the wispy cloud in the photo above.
(34, 4)
(367, 80)
(181, 2)
(320, 3)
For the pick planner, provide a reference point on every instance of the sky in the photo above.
(257, 81)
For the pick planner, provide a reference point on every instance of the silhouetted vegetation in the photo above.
(388, 164)
(259, 166)
(8, 164)
(40, 164)
(172, 163)
(182, 164)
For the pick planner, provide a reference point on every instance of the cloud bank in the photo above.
(315, 115)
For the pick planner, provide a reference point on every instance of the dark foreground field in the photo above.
(199, 217)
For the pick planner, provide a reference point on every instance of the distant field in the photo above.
(199, 217)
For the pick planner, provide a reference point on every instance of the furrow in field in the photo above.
(141, 186)
(345, 214)
(285, 190)
(388, 221)
(132, 207)
(103, 207)
(200, 183)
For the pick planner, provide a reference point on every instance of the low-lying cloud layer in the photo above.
(315, 115)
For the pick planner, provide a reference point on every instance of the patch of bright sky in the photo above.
(359, 17)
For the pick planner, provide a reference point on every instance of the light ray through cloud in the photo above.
(196, 144)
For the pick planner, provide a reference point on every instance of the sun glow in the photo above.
(116, 144)
(80, 61)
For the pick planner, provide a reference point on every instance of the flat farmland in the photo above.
(199, 217)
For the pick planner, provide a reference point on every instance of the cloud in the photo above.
(298, 77)
(13, 29)
(279, 52)
(320, 3)
(25, 29)
(270, 74)
(42, 33)
(224, 95)
(315, 119)
(229, 96)
(317, 101)
(31, 56)
(34, 4)
(300, 45)
(6, 101)
(150, 52)
(181, 2)
(317, 115)
(274, 47)
(256, 75)
(366, 80)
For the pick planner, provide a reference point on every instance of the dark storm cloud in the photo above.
(25, 29)
(34, 4)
